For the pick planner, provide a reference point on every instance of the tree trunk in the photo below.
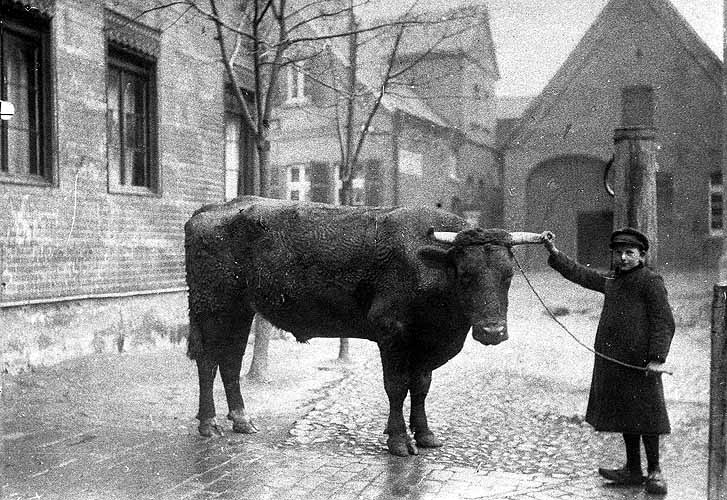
(262, 331)
(259, 366)
(344, 351)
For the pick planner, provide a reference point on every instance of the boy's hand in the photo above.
(547, 238)
(656, 367)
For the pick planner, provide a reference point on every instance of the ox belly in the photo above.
(309, 314)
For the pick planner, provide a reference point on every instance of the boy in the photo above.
(636, 327)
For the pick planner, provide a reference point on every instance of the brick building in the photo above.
(639, 64)
(118, 136)
(432, 141)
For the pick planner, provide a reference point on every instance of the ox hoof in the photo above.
(209, 428)
(401, 446)
(427, 440)
(242, 424)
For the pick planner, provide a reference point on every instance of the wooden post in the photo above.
(717, 468)
(635, 184)
(717, 478)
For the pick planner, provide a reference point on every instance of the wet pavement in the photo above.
(123, 427)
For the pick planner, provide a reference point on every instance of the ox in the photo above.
(413, 280)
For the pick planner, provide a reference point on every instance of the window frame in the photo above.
(295, 84)
(301, 186)
(245, 164)
(35, 31)
(143, 66)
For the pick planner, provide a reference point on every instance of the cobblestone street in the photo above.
(123, 427)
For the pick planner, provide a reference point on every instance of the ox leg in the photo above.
(207, 371)
(396, 384)
(230, 367)
(418, 390)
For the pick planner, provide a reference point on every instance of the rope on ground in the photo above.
(587, 347)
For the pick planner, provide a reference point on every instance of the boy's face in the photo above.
(627, 257)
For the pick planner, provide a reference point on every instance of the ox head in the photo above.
(480, 261)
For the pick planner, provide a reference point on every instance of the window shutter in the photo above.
(374, 183)
(320, 182)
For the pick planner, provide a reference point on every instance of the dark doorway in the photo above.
(594, 231)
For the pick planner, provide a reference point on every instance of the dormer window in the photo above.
(296, 83)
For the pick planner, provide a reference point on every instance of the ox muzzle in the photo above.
(491, 334)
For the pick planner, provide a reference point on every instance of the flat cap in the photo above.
(629, 236)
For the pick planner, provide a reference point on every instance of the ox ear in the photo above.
(436, 257)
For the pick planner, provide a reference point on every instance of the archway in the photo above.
(565, 195)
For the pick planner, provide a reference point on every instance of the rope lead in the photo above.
(601, 355)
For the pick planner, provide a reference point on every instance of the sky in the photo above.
(534, 37)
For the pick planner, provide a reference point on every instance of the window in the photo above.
(296, 83)
(411, 163)
(131, 115)
(637, 106)
(239, 151)
(716, 190)
(314, 181)
(298, 182)
(25, 82)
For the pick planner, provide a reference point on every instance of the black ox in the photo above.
(413, 280)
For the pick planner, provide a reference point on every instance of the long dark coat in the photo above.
(636, 327)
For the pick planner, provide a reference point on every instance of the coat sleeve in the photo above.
(577, 273)
(661, 320)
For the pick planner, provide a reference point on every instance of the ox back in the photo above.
(313, 269)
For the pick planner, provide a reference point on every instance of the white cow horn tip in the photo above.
(521, 238)
(444, 236)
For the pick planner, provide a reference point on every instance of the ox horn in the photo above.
(444, 236)
(520, 238)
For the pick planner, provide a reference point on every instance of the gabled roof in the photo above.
(471, 38)
(677, 26)
(467, 34)
(462, 31)
(399, 98)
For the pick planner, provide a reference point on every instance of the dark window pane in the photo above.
(715, 178)
(320, 183)
(130, 121)
(715, 200)
(23, 138)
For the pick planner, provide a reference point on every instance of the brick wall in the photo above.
(72, 236)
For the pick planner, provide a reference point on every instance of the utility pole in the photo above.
(717, 468)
